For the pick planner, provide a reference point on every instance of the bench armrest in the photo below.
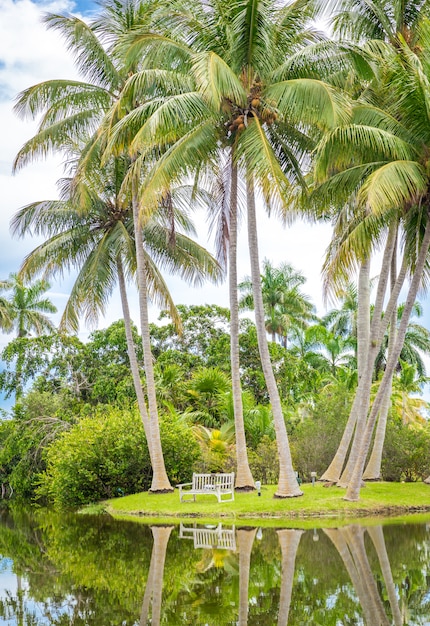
(184, 484)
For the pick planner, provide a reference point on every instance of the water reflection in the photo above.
(94, 571)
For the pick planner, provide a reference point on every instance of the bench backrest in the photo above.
(224, 482)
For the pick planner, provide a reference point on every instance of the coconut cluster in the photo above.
(242, 117)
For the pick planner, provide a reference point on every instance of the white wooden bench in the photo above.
(217, 485)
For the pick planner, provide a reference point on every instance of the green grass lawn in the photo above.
(327, 503)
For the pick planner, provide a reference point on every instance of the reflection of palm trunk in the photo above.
(287, 484)
(154, 583)
(245, 540)
(350, 545)
(244, 478)
(377, 535)
(356, 535)
(289, 541)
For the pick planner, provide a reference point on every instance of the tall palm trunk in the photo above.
(373, 469)
(353, 491)
(134, 365)
(287, 485)
(378, 326)
(289, 541)
(244, 480)
(160, 481)
(245, 541)
(334, 471)
(376, 533)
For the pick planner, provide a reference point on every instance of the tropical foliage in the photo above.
(224, 106)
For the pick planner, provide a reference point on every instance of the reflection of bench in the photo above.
(218, 537)
(217, 485)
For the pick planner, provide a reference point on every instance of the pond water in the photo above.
(80, 570)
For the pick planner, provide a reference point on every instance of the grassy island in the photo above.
(377, 499)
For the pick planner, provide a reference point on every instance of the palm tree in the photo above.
(74, 118)
(390, 181)
(286, 307)
(91, 231)
(228, 65)
(25, 309)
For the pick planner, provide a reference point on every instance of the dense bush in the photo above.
(406, 453)
(106, 455)
(315, 437)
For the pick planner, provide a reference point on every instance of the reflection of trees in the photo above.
(245, 541)
(289, 542)
(84, 571)
(377, 535)
(349, 542)
(154, 582)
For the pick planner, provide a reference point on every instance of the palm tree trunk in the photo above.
(289, 541)
(287, 485)
(376, 533)
(334, 471)
(378, 326)
(353, 491)
(244, 479)
(160, 482)
(245, 541)
(134, 365)
(373, 469)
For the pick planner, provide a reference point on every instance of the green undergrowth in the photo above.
(327, 504)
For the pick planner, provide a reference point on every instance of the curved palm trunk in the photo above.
(287, 485)
(244, 479)
(289, 541)
(378, 326)
(364, 374)
(353, 491)
(160, 481)
(154, 583)
(334, 471)
(373, 469)
(245, 541)
(376, 533)
(134, 366)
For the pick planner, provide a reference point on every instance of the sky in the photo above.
(29, 54)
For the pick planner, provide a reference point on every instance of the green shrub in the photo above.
(264, 462)
(406, 454)
(106, 455)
